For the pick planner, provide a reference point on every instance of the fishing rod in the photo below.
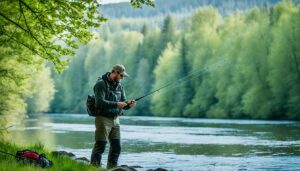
(6, 127)
(180, 80)
(3, 152)
(139, 98)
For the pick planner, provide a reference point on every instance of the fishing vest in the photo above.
(113, 93)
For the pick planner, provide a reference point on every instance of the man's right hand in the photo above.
(121, 105)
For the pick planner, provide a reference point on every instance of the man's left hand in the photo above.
(132, 103)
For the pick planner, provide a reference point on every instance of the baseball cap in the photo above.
(120, 69)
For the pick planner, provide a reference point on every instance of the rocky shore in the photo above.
(119, 168)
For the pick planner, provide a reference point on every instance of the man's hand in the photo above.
(121, 105)
(132, 103)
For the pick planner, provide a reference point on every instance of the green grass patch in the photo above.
(60, 163)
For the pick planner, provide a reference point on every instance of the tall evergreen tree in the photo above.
(257, 100)
(167, 71)
(202, 42)
(223, 76)
(284, 62)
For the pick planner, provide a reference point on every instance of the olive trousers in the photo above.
(107, 128)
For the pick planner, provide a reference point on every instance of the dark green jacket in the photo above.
(107, 94)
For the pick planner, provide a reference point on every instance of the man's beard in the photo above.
(116, 79)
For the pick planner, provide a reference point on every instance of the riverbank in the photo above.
(8, 162)
(175, 143)
(62, 160)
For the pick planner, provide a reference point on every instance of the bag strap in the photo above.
(106, 87)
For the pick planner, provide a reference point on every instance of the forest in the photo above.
(182, 7)
(247, 64)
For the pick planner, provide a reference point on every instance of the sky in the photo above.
(112, 1)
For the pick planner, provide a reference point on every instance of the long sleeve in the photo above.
(124, 99)
(123, 96)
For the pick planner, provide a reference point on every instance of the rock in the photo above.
(158, 169)
(82, 159)
(133, 168)
(63, 153)
(119, 168)
(136, 166)
(125, 168)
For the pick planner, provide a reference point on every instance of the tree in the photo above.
(257, 99)
(185, 95)
(51, 29)
(165, 103)
(141, 86)
(139, 3)
(202, 42)
(42, 86)
(13, 86)
(284, 62)
(167, 33)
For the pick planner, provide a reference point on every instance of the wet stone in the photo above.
(158, 169)
(124, 168)
(63, 153)
(82, 159)
(133, 168)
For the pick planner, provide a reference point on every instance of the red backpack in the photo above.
(32, 157)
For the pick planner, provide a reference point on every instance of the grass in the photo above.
(60, 163)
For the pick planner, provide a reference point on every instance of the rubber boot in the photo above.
(97, 152)
(114, 153)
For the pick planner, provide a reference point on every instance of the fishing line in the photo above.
(198, 73)
(191, 75)
(7, 127)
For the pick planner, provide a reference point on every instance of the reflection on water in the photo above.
(179, 144)
(33, 131)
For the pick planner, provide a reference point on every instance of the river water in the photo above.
(176, 143)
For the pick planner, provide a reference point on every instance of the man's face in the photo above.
(120, 76)
(117, 76)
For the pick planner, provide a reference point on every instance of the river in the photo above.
(176, 143)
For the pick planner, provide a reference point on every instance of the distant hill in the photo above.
(163, 7)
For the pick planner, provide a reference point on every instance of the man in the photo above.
(110, 102)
